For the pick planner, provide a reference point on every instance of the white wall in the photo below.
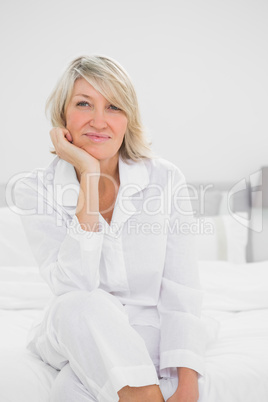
(199, 67)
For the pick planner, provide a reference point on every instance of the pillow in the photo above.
(221, 237)
(14, 247)
(204, 199)
(23, 288)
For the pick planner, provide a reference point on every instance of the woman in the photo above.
(111, 234)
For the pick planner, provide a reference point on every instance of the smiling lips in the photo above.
(95, 137)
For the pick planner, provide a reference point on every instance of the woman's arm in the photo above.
(66, 248)
(88, 202)
(89, 170)
(68, 257)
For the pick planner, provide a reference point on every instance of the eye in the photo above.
(114, 107)
(83, 103)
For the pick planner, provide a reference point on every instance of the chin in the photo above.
(99, 154)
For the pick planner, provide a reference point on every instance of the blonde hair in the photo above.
(113, 82)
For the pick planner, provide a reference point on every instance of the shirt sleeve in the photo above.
(183, 335)
(68, 256)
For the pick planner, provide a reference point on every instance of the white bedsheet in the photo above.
(23, 377)
(237, 350)
(237, 362)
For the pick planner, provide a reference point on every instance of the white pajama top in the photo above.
(145, 257)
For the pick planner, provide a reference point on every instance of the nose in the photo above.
(98, 119)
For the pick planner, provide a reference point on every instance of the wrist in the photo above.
(91, 178)
(85, 171)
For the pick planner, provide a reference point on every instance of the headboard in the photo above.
(2, 195)
(250, 197)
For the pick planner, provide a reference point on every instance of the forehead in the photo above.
(83, 87)
(101, 90)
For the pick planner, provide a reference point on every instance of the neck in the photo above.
(110, 167)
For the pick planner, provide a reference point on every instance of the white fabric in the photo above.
(236, 359)
(149, 266)
(222, 237)
(22, 288)
(81, 328)
(237, 363)
(23, 376)
(14, 248)
(234, 287)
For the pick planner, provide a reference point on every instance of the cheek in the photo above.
(73, 120)
(122, 126)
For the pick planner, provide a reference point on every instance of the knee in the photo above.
(72, 305)
(79, 300)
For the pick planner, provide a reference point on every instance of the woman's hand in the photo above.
(78, 157)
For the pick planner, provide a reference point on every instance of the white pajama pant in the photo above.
(87, 335)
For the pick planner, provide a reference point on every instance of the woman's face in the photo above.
(95, 125)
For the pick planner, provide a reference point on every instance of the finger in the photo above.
(63, 133)
(57, 134)
(69, 137)
(59, 131)
(55, 138)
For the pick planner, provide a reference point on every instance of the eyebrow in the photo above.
(86, 96)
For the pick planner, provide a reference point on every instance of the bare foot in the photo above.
(149, 393)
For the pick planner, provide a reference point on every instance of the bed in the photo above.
(234, 277)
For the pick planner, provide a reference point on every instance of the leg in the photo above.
(90, 330)
(68, 388)
(151, 337)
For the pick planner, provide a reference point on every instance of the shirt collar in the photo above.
(134, 177)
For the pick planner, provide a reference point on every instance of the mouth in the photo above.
(96, 137)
